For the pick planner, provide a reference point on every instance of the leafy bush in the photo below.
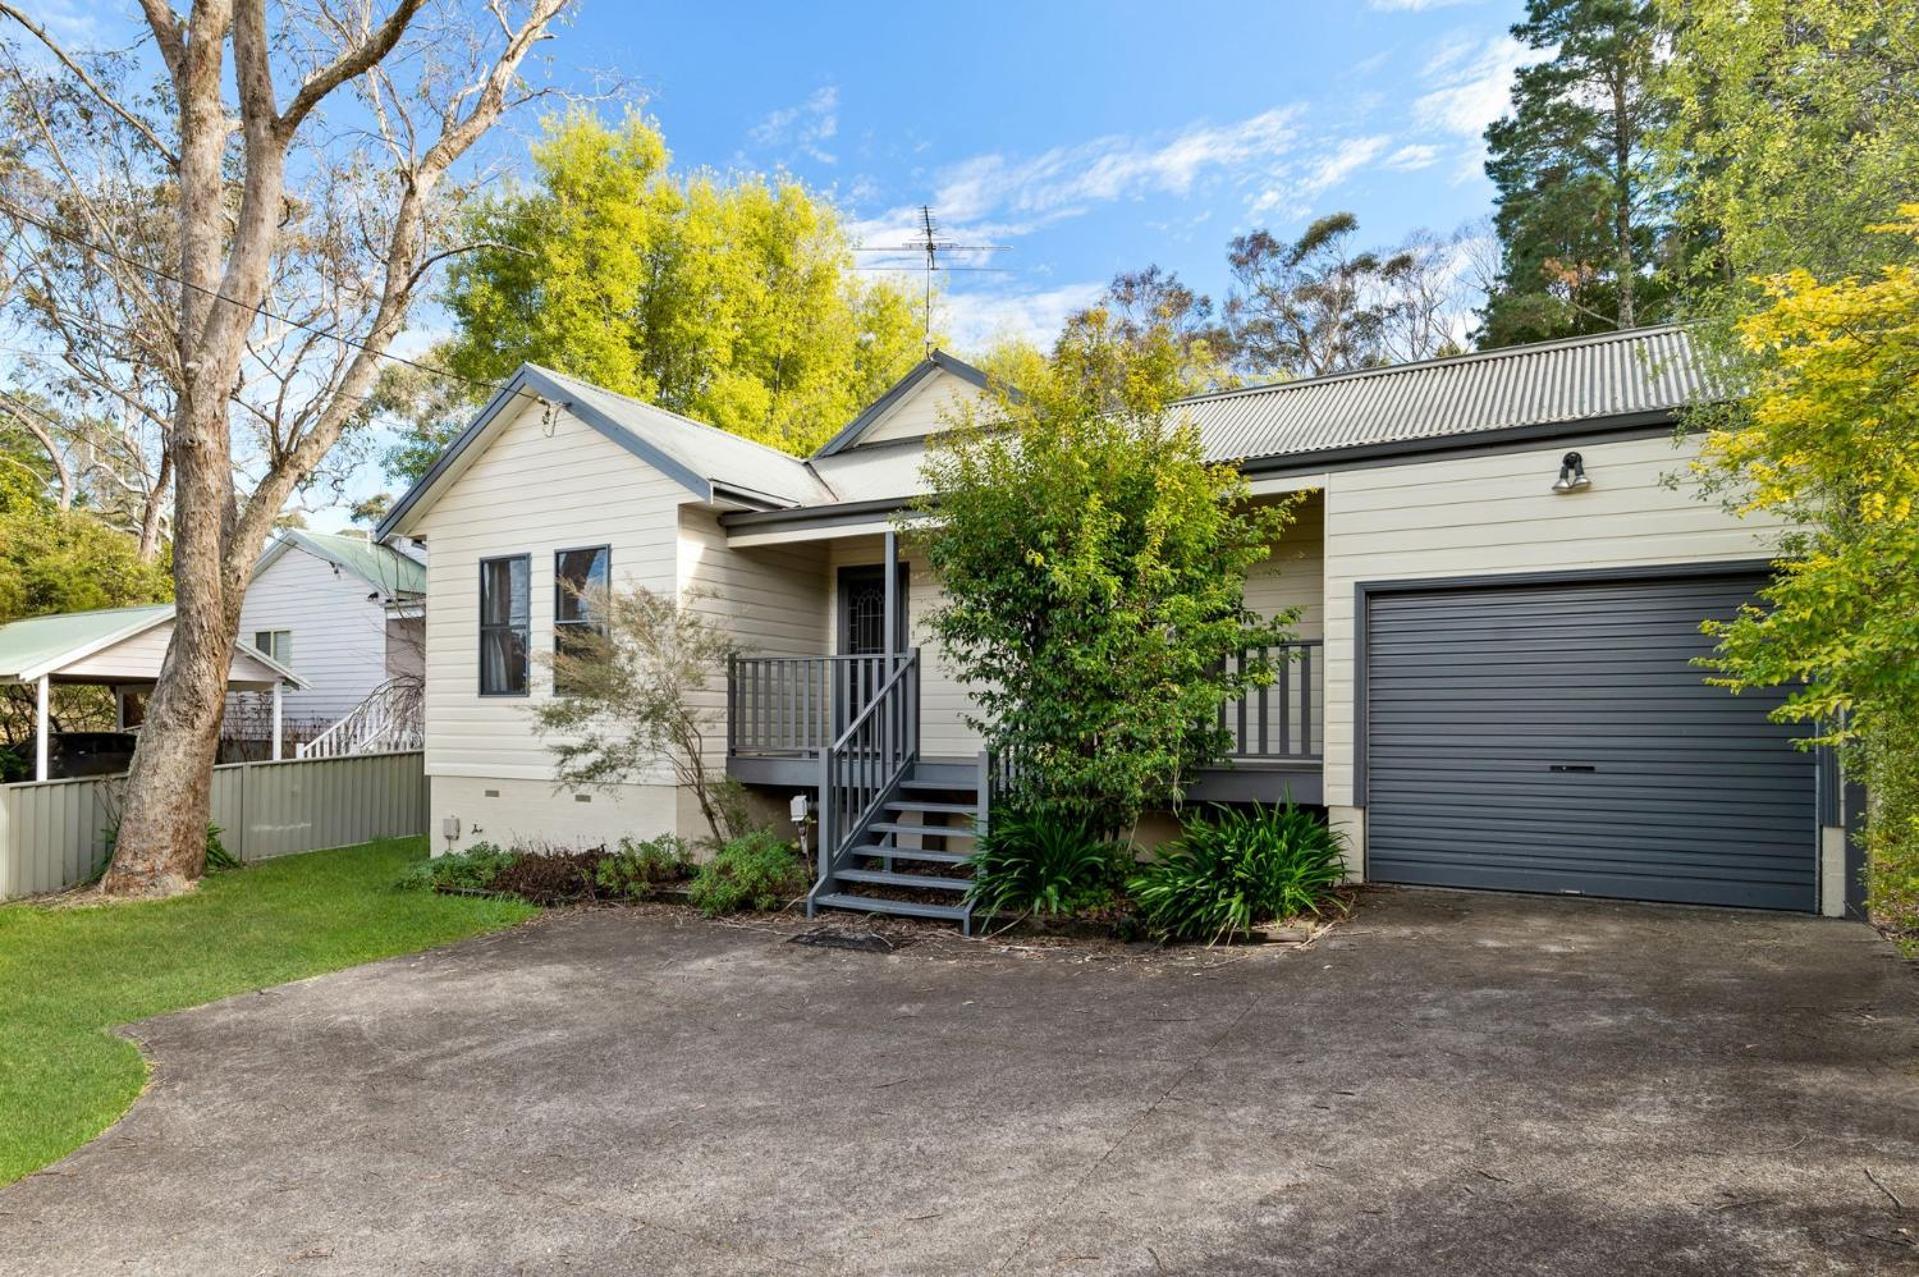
(1044, 863)
(637, 870)
(758, 870)
(474, 869)
(1232, 870)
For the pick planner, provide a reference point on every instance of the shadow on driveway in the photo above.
(1447, 1083)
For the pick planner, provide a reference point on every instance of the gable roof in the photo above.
(1641, 376)
(713, 464)
(380, 566)
(936, 361)
(40, 645)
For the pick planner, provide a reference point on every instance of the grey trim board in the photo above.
(1358, 457)
(935, 361)
(531, 381)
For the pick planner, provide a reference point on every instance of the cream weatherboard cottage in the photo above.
(1500, 585)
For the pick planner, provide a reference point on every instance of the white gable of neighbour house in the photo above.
(343, 612)
(1498, 588)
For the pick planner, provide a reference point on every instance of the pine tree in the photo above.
(1584, 223)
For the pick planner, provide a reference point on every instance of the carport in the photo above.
(120, 648)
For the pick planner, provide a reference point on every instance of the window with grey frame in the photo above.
(506, 618)
(581, 578)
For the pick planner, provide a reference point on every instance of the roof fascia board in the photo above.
(698, 484)
(243, 648)
(880, 407)
(447, 460)
(85, 650)
(1652, 421)
(530, 378)
(1361, 456)
(276, 550)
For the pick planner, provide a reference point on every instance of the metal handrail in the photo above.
(864, 763)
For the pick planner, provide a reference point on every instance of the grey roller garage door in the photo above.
(1557, 738)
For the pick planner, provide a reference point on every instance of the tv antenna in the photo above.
(928, 245)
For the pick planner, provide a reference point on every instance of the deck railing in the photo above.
(793, 706)
(1280, 721)
(866, 760)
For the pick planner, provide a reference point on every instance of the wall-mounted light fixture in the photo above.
(1572, 474)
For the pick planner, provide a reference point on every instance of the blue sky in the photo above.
(1089, 138)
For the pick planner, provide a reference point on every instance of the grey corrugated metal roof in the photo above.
(1643, 370)
(1614, 374)
(712, 453)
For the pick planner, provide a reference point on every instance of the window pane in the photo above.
(505, 592)
(578, 576)
(502, 660)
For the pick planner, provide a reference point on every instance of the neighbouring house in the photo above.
(122, 650)
(348, 613)
(1493, 685)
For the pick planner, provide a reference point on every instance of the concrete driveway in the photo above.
(1448, 1083)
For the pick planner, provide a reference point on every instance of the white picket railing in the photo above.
(392, 717)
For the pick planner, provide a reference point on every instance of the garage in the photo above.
(1555, 737)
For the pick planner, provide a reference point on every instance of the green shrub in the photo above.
(1046, 864)
(758, 871)
(474, 869)
(637, 870)
(1232, 870)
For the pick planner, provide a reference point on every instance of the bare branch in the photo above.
(354, 61)
(93, 86)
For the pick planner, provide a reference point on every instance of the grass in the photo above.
(70, 976)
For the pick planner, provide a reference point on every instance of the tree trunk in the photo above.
(161, 848)
(152, 509)
(1622, 210)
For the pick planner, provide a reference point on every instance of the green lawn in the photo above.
(69, 976)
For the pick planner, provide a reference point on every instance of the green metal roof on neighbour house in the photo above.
(28, 646)
(378, 565)
(39, 645)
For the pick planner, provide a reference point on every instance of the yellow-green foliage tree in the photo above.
(733, 301)
(1829, 440)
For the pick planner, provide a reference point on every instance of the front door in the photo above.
(862, 635)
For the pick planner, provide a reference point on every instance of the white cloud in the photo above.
(1412, 156)
(805, 128)
(1414, 6)
(1472, 84)
(1347, 158)
(1005, 196)
(1328, 170)
(974, 320)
